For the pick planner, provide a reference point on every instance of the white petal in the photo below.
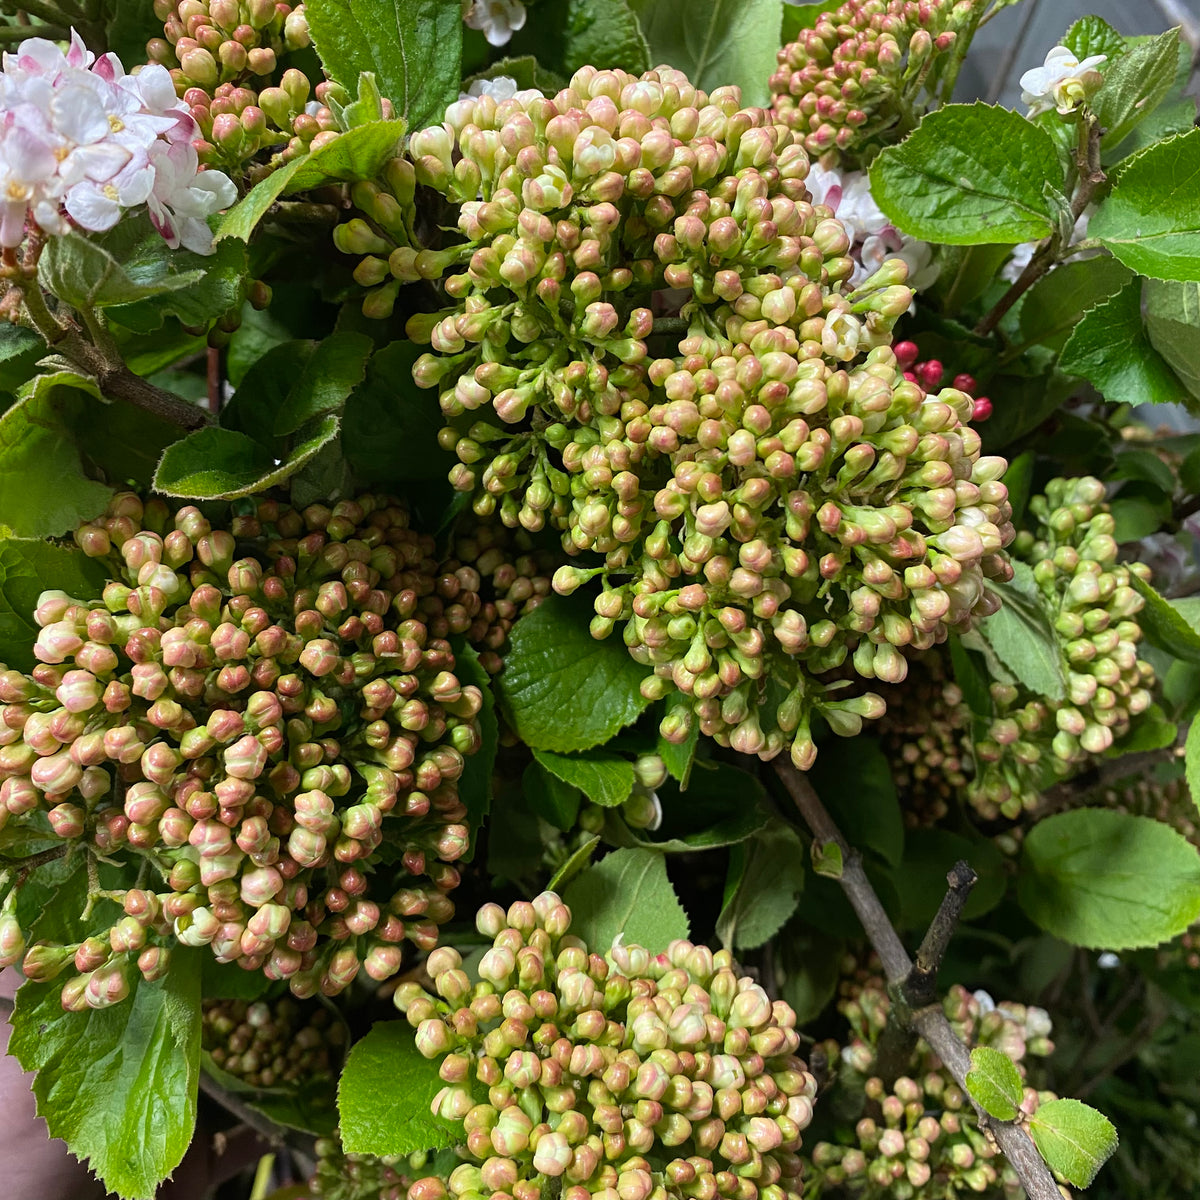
(92, 208)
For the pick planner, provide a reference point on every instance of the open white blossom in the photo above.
(498, 20)
(501, 88)
(873, 238)
(82, 141)
(1059, 82)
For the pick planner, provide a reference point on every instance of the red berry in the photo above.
(965, 383)
(930, 372)
(906, 353)
(983, 409)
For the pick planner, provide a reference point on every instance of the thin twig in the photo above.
(275, 1135)
(213, 378)
(112, 376)
(921, 985)
(930, 1022)
(1091, 176)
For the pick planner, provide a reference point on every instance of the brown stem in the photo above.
(213, 378)
(1091, 176)
(921, 985)
(275, 1135)
(930, 1021)
(114, 378)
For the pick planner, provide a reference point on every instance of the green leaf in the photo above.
(1192, 761)
(1151, 218)
(475, 784)
(117, 1084)
(216, 290)
(702, 818)
(1169, 118)
(605, 778)
(766, 877)
(854, 777)
(798, 17)
(576, 863)
(551, 798)
(970, 174)
(414, 48)
(1108, 880)
(359, 153)
(1135, 84)
(921, 879)
(571, 34)
(720, 41)
(1173, 324)
(43, 490)
(561, 689)
(28, 568)
(1093, 35)
(1073, 1138)
(827, 859)
(995, 1083)
(130, 262)
(626, 894)
(220, 464)
(1164, 624)
(1022, 635)
(384, 1096)
(335, 369)
(20, 349)
(809, 969)
(389, 427)
(1110, 349)
(1054, 305)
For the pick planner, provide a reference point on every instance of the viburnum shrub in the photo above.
(663, 478)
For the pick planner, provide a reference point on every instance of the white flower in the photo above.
(984, 1000)
(498, 20)
(873, 238)
(82, 141)
(183, 198)
(1058, 82)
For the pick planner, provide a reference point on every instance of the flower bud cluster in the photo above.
(926, 737)
(262, 714)
(631, 1075)
(225, 58)
(770, 488)
(846, 83)
(500, 575)
(1092, 605)
(918, 1138)
(273, 1044)
(341, 1176)
(1003, 761)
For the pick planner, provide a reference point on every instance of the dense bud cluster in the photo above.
(271, 1044)
(631, 1075)
(917, 1138)
(773, 495)
(262, 714)
(858, 73)
(341, 1176)
(1002, 761)
(224, 57)
(501, 575)
(926, 736)
(1093, 606)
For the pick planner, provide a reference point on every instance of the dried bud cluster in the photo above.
(224, 56)
(1029, 741)
(264, 713)
(918, 1138)
(627, 1076)
(273, 1044)
(859, 72)
(771, 497)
